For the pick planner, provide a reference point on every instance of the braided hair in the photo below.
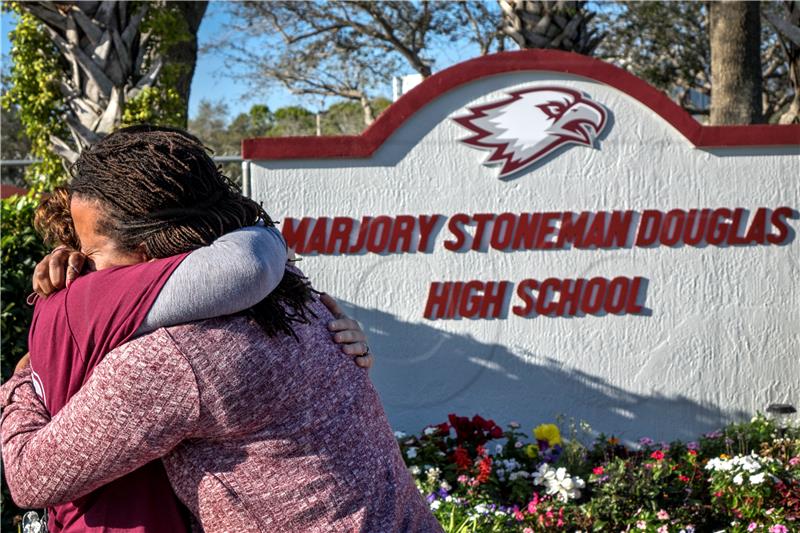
(161, 192)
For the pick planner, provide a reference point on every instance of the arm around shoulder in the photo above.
(235, 272)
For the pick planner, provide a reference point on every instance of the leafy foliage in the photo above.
(21, 247)
(161, 103)
(34, 95)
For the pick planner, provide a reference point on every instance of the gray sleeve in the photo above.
(233, 273)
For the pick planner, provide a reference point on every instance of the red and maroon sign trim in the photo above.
(364, 145)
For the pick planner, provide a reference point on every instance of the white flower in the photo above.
(411, 452)
(738, 479)
(719, 465)
(481, 508)
(415, 471)
(430, 431)
(518, 444)
(540, 476)
(435, 504)
(757, 479)
(445, 485)
(433, 475)
(399, 435)
(498, 449)
(564, 486)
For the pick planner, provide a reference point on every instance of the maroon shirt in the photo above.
(71, 333)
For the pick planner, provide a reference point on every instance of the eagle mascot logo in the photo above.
(532, 123)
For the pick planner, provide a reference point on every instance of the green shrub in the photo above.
(20, 249)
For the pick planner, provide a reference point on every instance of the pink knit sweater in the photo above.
(256, 433)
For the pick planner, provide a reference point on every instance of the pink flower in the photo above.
(778, 528)
(598, 471)
(518, 514)
(752, 526)
(527, 530)
(641, 524)
(533, 504)
(662, 515)
(663, 529)
(794, 461)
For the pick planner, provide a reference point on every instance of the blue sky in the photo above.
(215, 80)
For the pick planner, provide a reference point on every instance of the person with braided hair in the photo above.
(260, 422)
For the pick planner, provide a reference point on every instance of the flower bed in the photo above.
(478, 477)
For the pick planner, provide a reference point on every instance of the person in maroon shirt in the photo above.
(75, 328)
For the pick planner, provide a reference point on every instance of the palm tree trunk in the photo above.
(560, 25)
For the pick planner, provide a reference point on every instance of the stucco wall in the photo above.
(721, 335)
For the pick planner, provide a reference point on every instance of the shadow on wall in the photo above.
(425, 373)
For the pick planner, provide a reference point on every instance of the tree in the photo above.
(786, 20)
(561, 25)
(663, 43)
(210, 124)
(14, 144)
(82, 69)
(735, 33)
(347, 49)
(343, 118)
(257, 122)
(667, 44)
(181, 53)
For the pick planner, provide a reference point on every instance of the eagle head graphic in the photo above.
(531, 123)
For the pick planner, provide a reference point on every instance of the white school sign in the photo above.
(535, 233)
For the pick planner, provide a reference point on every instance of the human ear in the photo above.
(141, 251)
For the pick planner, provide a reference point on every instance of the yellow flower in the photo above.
(548, 432)
(724, 456)
(613, 441)
(531, 451)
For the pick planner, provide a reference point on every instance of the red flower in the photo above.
(683, 478)
(598, 471)
(484, 470)
(692, 452)
(476, 431)
(657, 455)
(461, 458)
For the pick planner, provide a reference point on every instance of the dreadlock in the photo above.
(160, 190)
